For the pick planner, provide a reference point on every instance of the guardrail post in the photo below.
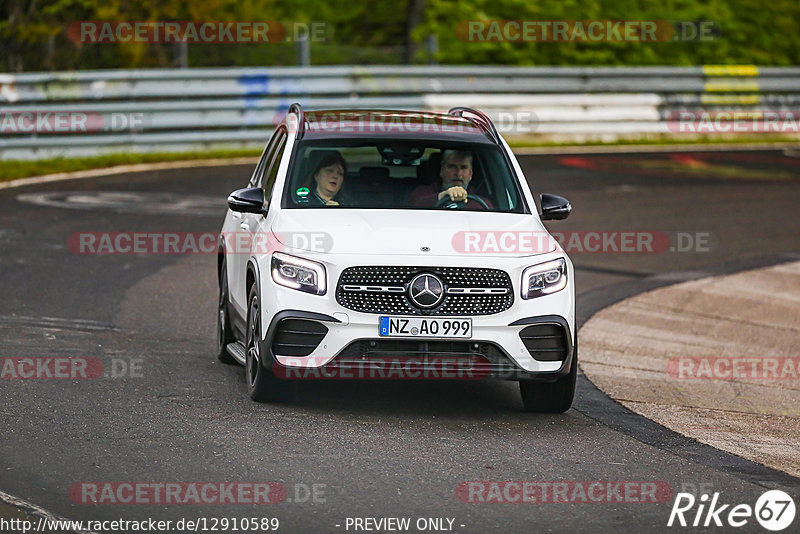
(182, 54)
(304, 50)
(432, 46)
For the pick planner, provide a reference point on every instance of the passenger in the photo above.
(326, 181)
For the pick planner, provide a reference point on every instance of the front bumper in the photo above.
(498, 335)
(370, 356)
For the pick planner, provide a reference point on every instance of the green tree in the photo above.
(33, 33)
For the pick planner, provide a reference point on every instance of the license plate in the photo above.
(424, 327)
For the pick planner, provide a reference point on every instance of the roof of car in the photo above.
(394, 124)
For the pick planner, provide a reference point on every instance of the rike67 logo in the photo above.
(774, 510)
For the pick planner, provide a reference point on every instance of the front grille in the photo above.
(545, 342)
(397, 348)
(384, 289)
(297, 337)
(359, 354)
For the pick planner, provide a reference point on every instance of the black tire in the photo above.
(550, 397)
(262, 384)
(224, 330)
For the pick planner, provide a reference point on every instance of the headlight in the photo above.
(298, 273)
(544, 278)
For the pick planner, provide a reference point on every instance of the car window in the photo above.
(272, 169)
(259, 170)
(401, 175)
(266, 158)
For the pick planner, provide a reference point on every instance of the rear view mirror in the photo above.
(248, 200)
(554, 207)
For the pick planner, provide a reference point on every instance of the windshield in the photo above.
(402, 175)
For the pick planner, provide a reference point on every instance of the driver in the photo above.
(455, 175)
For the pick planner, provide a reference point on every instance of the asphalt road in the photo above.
(374, 449)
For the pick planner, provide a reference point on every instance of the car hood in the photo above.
(395, 232)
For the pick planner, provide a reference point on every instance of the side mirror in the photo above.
(554, 207)
(248, 200)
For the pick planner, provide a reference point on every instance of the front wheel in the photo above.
(262, 384)
(224, 331)
(550, 397)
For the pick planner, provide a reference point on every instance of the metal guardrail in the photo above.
(191, 109)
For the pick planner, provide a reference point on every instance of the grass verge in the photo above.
(532, 141)
(14, 169)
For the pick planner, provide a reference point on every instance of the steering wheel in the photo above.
(453, 204)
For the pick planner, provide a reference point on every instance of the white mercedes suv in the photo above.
(395, 244)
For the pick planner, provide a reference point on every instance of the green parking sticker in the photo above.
(302, 192)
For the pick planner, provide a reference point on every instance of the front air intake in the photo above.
(546, 342)
(297, 337)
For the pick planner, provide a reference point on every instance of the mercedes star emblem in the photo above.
(426, 290)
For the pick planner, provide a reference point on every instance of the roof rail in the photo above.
(301, 122)
(479, 117)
